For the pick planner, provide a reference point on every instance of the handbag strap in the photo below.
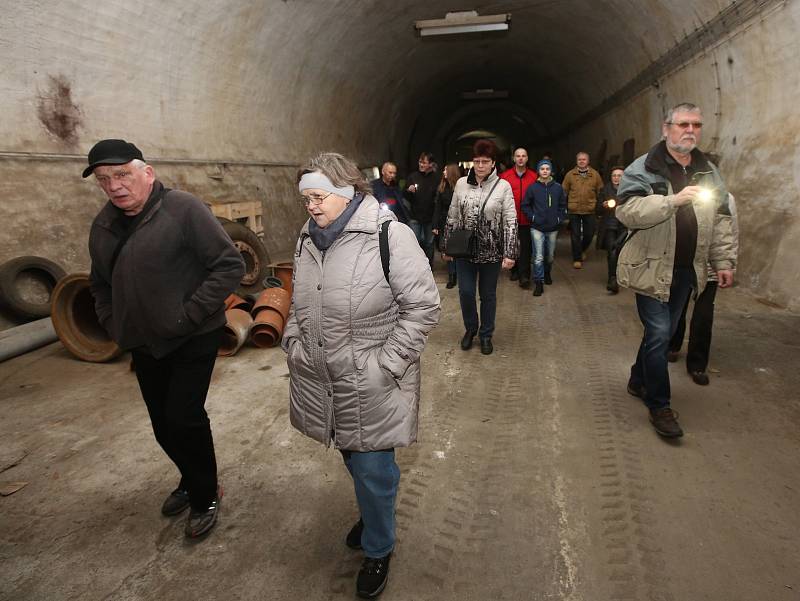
(483, 206)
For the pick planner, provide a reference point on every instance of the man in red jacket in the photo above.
(520, 177)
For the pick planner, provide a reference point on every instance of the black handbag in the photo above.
(463, 243)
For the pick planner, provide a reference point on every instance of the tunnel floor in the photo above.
(536, 476)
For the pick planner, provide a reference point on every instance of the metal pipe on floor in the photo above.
(27, 337)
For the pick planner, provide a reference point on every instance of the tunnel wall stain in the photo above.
(57, 111)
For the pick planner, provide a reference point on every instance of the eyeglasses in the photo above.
(313, 199)
(686, 124)
(482, 161)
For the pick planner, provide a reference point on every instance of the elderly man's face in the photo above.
(127, 186)
(683, 132)
(520, 158)
(583, 161)
(389, 173)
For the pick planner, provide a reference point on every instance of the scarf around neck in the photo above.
(323, 237)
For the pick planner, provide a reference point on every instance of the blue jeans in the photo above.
(543, 242)
(424, 234)
(451, 268)
(486, 275)
(376, 478)
(660, 321)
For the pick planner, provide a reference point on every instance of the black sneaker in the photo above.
(699, 377)
(525, 284)
(538, 289)
(353, 539)
(177, 502)
(637, 391)
(673, 356)
(547, 279)
(665, 421)
(372, 576)
(466, 341)
(612, 285)
(200, 522)
(486, 346)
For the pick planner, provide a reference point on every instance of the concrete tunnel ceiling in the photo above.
(228, 97)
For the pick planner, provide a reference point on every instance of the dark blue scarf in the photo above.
(323, 237)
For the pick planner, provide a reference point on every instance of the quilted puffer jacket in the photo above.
(354, 340)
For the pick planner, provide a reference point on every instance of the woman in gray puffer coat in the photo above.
(353, 342)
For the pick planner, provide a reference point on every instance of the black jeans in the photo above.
(582, 231)
(523, 264)
(486, 275)
(610, 244)
(174, 389)
(699, 330)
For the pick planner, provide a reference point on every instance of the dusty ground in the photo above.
(536, 477)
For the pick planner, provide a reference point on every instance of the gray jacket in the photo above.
(353, 342)
(171, 278)
(645, 206)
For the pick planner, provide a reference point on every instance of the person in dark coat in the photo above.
(444, 195)
(421, 196)
(611, 230)
(387, 193)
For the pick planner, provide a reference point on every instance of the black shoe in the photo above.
(665, 421)
(353, 539)
(547, 279)
(538, 289)
(514, 276)
(672, 356)
(372, 576)
(466, 341)
(451, 281)
(699, 377)
(177, 502)
(612, 285)
(200, 522)
(525, 284)
(637, 391)
(486, 346)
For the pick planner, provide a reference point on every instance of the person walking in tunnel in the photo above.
(545, 205)
(582, 185)
(611, 229)
(483, 203)
(521, 177)
(364, 302)
(162, 267)
(388, 193)
(674, 203)
(702, 323)
(444, 195)
(421, 195)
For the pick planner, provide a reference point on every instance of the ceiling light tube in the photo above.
(463, 22)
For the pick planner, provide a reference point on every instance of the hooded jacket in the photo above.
(171, 278)
(545, 204)
(354, 340)
(645, 195)
(519, 185)
(496, 225)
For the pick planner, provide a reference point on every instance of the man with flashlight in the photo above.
(674, 203)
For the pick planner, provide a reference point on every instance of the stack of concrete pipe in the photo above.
(261, 318)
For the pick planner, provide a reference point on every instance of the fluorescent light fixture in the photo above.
(484, 94)
(467, 21)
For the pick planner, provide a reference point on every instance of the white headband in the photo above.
(319, 181)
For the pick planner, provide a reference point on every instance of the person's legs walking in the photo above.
(700, 329)
(575, 236)
(467, 275)
(524, 263)
(587, 232)
(538, 255)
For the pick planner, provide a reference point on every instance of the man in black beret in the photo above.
(162, 267)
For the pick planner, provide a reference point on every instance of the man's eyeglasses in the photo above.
(313, 199)
(686, 124)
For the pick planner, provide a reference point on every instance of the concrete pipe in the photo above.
(27, 337)
(237, 328)
(283, 271)
(267, 328)
(277, 299)
(76, 322)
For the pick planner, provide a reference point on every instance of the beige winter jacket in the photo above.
(582, 191)
(353, 342)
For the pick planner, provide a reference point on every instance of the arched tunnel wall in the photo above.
(227, 98)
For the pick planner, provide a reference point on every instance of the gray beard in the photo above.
(681, 149)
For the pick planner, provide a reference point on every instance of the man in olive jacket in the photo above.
(674, 203)
(162, 267)
(582, 185)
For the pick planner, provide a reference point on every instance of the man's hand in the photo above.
(508, 263)
(685, 196)
(412, 188)
(725, 277)
(435, 232)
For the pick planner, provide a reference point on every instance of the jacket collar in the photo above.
(658, 160)
(473, 181)
(365, 219)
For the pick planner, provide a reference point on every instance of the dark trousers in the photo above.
(485, 275)
(582, 231)
(699, 329)
(660, 321)
(174, 389)
(523, 265)
(610, 243)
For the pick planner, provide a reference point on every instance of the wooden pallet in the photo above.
(246, 212)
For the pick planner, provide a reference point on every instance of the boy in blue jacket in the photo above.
(545, 204)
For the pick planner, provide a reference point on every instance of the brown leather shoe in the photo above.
(665, 422)
(672, 356)
(577, 265)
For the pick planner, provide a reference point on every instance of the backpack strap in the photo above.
(383, 242)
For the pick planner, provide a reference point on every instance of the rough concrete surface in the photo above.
(536, 476)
